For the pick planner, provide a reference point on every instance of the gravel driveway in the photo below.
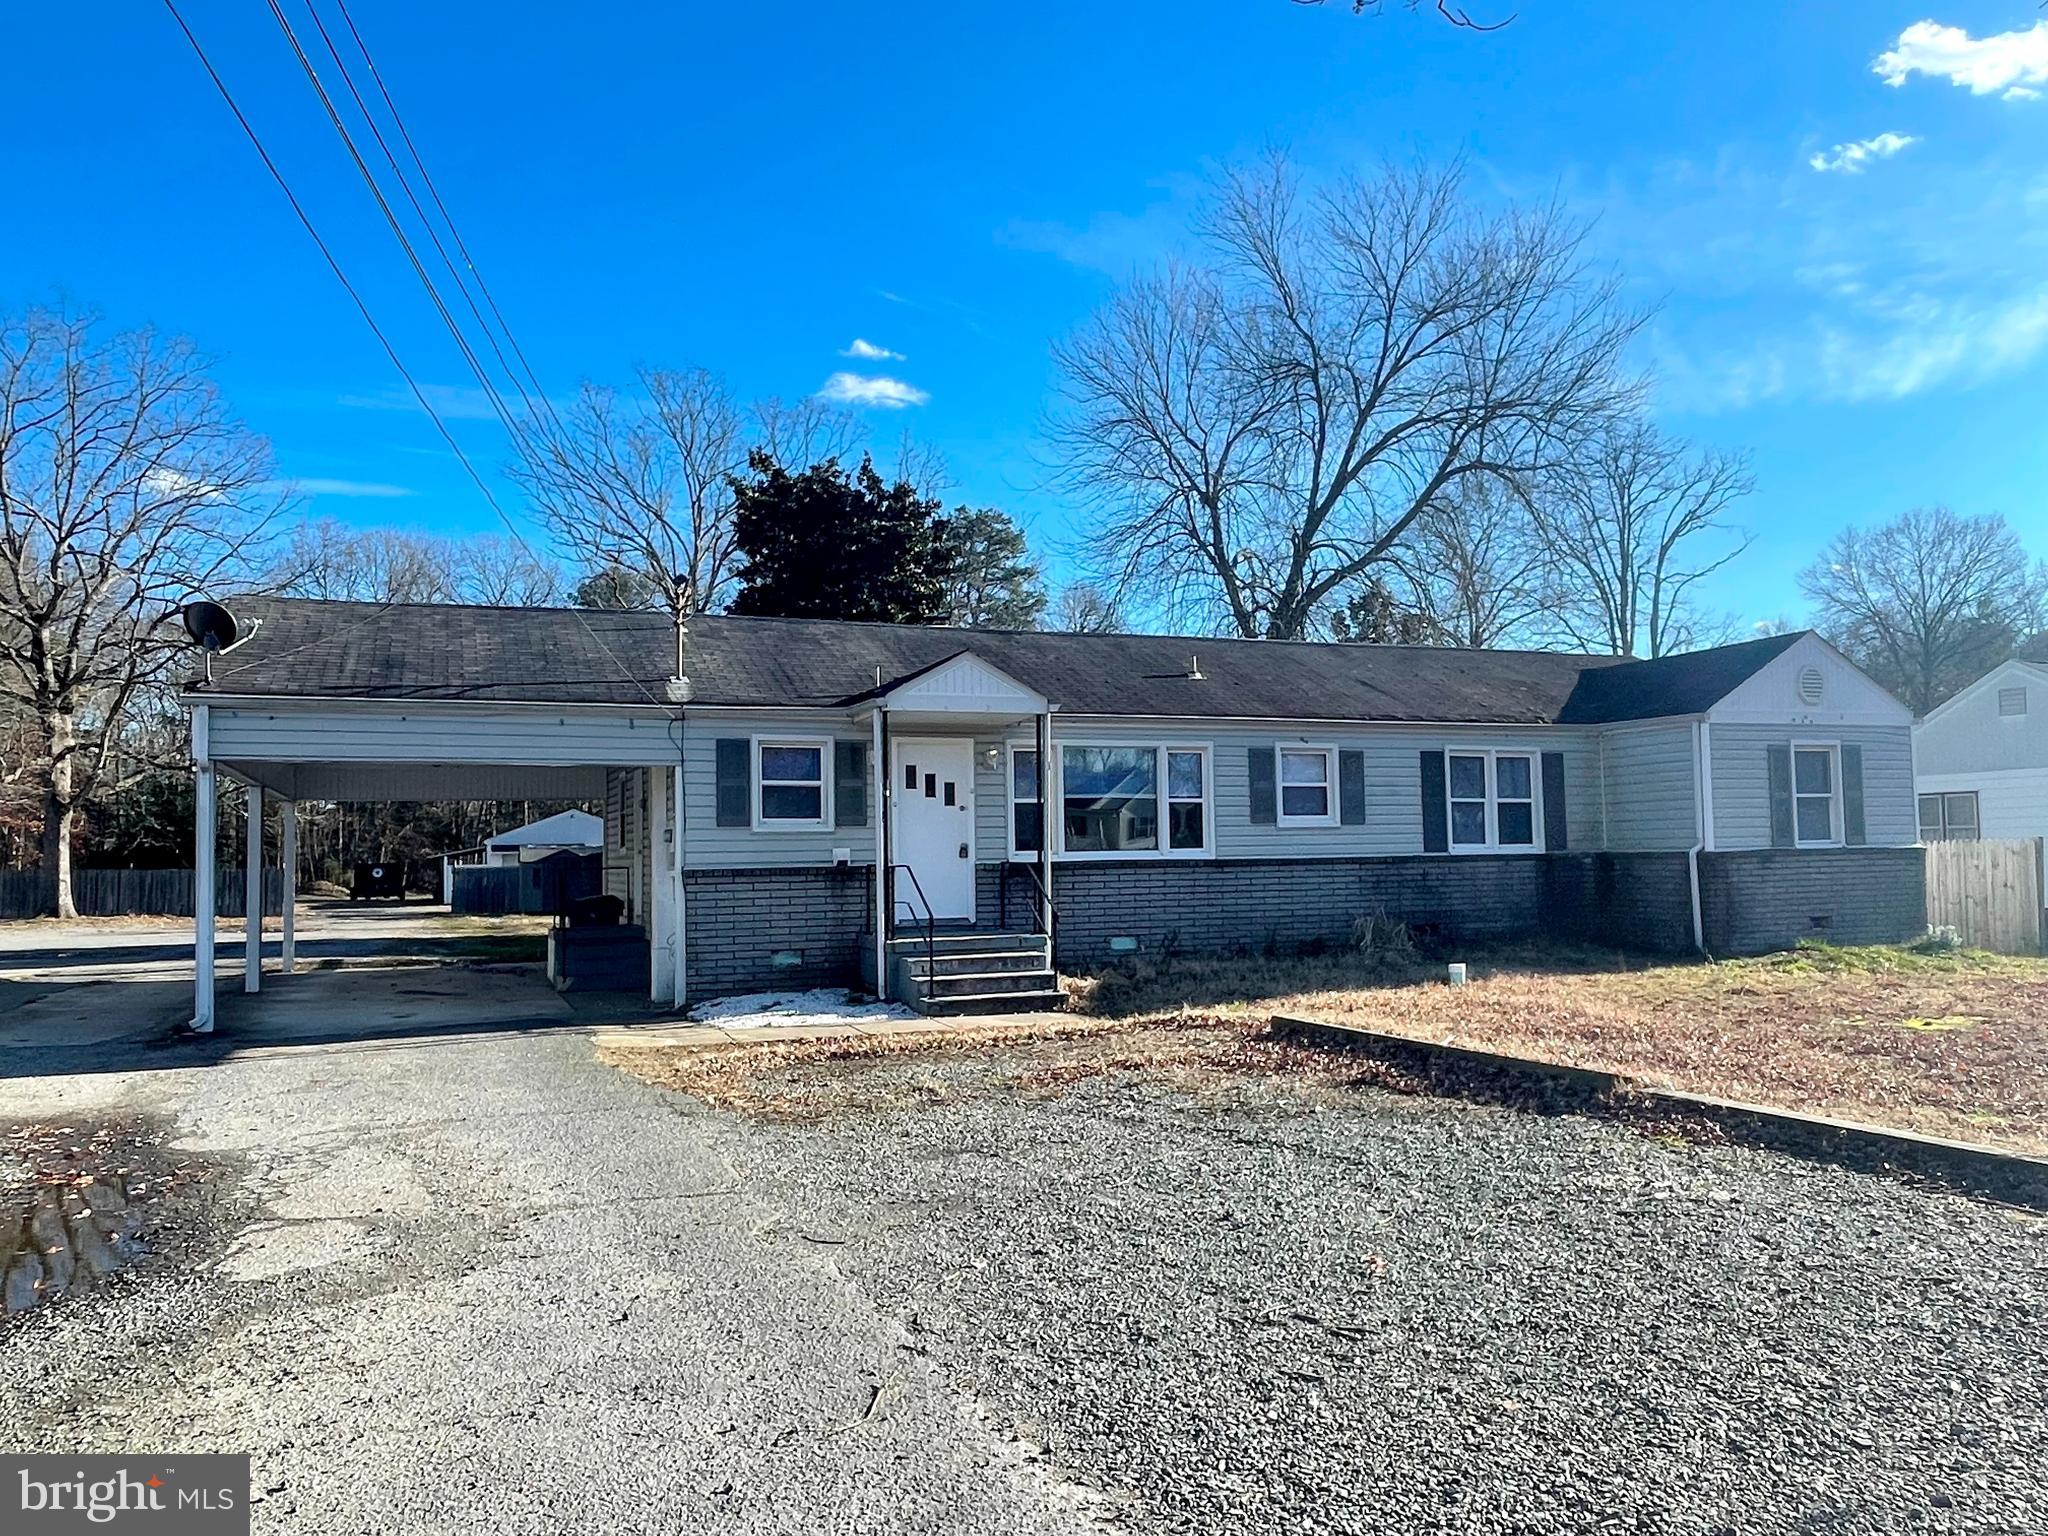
(485, 1283)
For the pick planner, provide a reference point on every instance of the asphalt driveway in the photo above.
(481, 1281)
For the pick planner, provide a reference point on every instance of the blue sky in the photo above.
(749, 189)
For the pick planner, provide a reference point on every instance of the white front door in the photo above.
(932, 828)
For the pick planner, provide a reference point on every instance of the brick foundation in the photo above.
(1751, 902)
(1282, 904)
(1771, 898)
(1630, 900)
(741, 919)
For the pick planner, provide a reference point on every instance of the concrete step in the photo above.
(988, 983)
(1046, 1001)
(973, 940)
(976, 962)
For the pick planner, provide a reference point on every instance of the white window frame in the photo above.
(1331, 816)
(1167, 800)
(824, 821)
(1835, 821)
(1493, 755)
(1941, 798)
(1055, 792)
(1011, 802)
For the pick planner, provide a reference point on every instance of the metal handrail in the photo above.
(931, 944)
(1046, 915)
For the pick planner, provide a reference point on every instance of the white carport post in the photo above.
(679, 819)
(661, 922)
(252, 887)
(203, 900)
(288, 856)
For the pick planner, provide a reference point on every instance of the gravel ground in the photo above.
(1246, 1306)
(484, 1283)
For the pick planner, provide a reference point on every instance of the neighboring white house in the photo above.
(1980, 760)
(571, 831)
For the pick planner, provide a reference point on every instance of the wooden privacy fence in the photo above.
(1989, 892)
(132, 892)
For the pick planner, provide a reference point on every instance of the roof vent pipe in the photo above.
(1195, 670)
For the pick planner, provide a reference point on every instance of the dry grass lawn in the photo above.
(1951, 1044)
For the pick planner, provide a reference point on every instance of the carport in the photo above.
(298, 749)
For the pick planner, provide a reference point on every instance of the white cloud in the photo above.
(366, 489)
(2011, 63)
(858, 389)
(1857, 153)
(868, 352)
(1887, 349)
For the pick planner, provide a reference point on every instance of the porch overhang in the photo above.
(962, 690)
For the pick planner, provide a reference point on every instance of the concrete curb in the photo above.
(2010, 1176)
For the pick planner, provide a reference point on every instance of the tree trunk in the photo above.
(58, 813)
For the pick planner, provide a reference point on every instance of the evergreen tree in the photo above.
(822, 545)
(994, 583)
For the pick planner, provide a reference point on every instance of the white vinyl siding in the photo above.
(2011, 804)
(1650, 770)
(1393, 781)
(435, 733)
(1970, 735)
(1742, 782)
(707, 845)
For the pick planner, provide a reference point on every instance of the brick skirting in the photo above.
(816, 919)
(741, 920)
(1771, 898)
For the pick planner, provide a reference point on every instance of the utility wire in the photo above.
(434, 193)
(412, 256)
(370, 320)
(405, 185)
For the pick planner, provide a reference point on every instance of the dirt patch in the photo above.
(1950, 1044)
(91, 1203)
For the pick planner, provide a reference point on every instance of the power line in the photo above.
(483, 378)
(370, 320)
(405, 185)
(434, 192)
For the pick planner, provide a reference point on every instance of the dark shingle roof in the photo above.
(558, 655)
(1686, 684)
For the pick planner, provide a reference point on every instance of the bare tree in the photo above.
(797, 434)
(642, 483)
(1927, 602)
(126, 489)
(1629, 528)
(328, 559)
(501, 570)
(1083, 608)
(1472, 567)
(1258, 432)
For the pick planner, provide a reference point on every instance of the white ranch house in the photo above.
(947, 815)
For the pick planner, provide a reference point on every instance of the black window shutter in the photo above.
(1351, 788)
(1780, 763)
(850, 783)
(1852, 797)
(1556, 835)
(1436, 811)
(1258, 762)
(735, 781)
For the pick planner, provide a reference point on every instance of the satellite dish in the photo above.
(211, 626)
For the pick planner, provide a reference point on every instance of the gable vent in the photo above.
(1811, 685)
(2012, 701)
